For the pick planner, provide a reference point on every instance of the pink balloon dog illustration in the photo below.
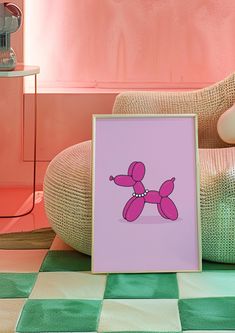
(135, 205)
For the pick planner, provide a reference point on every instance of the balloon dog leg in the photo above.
(133, 209)
(165, 205)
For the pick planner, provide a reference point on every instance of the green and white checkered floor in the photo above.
(54, 291)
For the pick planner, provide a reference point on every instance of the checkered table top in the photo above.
(54, 291)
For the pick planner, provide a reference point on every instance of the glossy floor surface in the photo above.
(54, 291)
(16, 201)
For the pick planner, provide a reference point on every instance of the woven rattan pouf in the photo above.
(67, 193)
(67, 190)
(68, 179)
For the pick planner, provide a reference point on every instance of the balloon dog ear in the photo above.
(131, 167)
(136, 170)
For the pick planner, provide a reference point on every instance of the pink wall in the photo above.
(107, 43)
(146, 44)
(63, 120)
(110, 43)
(117, 43)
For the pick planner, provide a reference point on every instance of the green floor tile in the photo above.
(16, 285)
(216, 266)
(141, 286)
(207, 313)
(59, 316)
(61, 261)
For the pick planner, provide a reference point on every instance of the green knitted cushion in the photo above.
(217, 170)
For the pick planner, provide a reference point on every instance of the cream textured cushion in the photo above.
(67, 194)
(208, 103)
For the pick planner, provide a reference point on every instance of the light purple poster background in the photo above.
(151, 243)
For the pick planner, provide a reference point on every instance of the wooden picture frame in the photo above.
(145, 188)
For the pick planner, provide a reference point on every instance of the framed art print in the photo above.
(145, 194)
